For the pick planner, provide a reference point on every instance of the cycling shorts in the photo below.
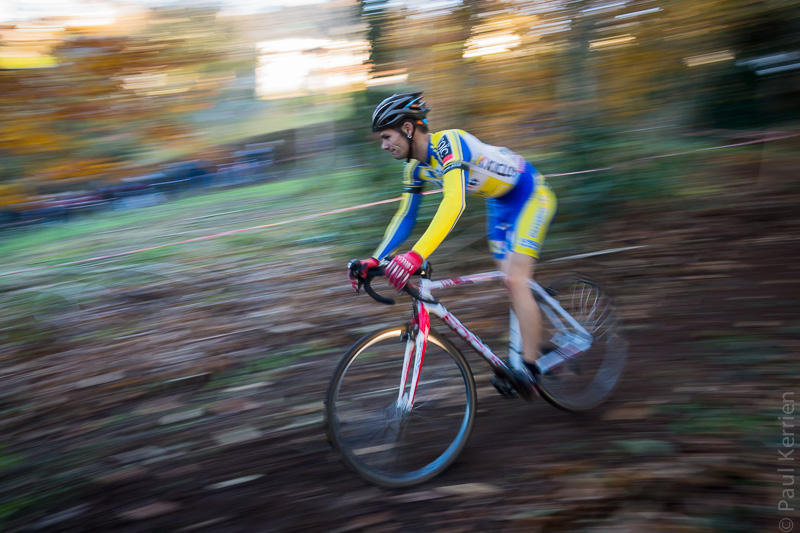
(519, 220)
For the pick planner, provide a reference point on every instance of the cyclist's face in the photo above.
(393, 141)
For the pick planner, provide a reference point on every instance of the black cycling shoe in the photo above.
(525, 383)
(533, 370)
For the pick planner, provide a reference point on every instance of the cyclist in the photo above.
(520, 206)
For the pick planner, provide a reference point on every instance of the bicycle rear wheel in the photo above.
(589, 378)
(386, 444)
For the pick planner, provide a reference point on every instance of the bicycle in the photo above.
(401, 404)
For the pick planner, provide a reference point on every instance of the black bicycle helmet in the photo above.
(393, 110)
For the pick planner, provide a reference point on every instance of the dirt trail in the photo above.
(688, 443)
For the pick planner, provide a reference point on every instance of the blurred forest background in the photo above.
(575, 85)
(173, 304)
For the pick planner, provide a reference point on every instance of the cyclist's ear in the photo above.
(407, 128)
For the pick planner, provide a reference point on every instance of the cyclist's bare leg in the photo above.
(519, 268)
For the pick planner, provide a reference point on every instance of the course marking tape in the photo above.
(592, 254)
(203, 238)
(389, 201)
(675, 154)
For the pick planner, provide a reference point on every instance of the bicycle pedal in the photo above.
(529, 390)
(505, 388)
(522, 386)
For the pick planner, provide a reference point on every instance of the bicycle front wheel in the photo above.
(377, 436)
(587, 379)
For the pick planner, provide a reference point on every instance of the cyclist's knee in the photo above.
(519, 271)
(516, 282)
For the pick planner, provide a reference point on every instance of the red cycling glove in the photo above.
(358, 270)
(401, 268)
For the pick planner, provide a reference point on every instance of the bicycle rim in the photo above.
(383, 443)
(589, 378)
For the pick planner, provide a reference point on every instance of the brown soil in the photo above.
(194, 426)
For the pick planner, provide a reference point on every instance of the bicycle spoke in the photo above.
(587, 378)
(604, 327)
(590, 314)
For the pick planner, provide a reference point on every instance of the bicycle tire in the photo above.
(587, 379)
(377, 440)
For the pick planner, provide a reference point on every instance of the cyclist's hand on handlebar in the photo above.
(401, 268)
(358, 271)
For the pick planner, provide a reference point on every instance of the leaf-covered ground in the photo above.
(204, 413)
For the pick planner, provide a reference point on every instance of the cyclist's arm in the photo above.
(402, 222)
(449, 211)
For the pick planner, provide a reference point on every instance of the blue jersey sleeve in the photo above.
(405, 218)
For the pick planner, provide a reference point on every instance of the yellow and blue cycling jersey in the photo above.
(520, 203)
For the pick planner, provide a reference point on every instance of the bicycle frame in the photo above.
(424, 309)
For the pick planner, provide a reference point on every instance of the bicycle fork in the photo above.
(415, 349)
